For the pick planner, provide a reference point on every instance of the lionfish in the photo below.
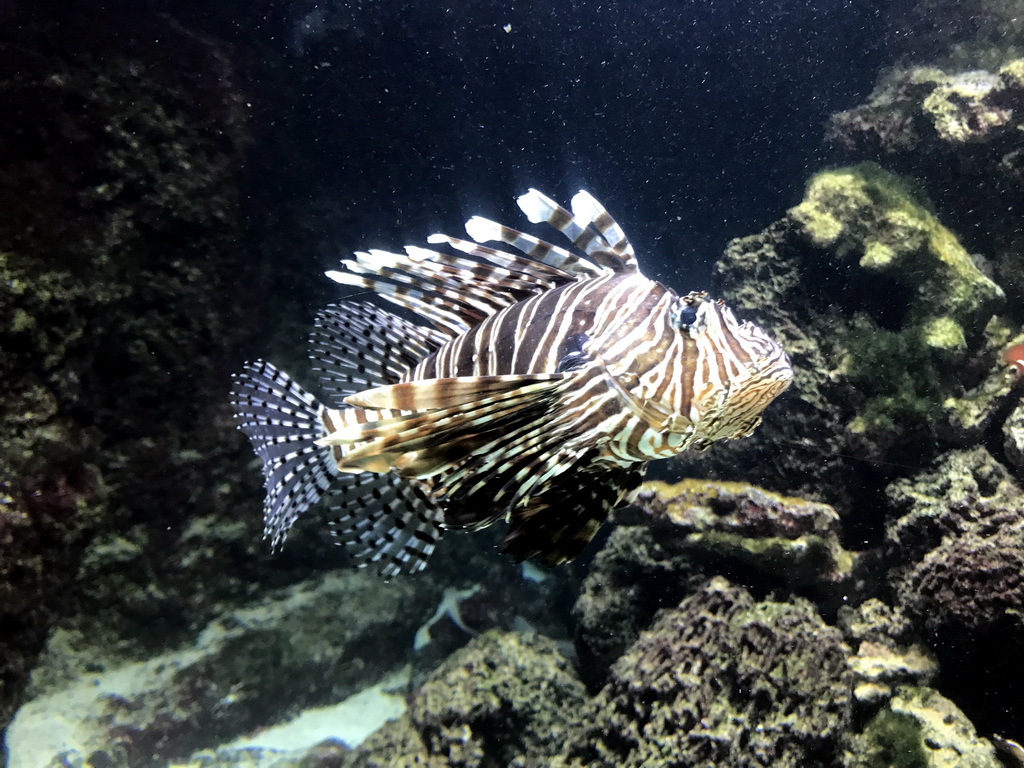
(538, 386)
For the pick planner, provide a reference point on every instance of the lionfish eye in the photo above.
(686, 317)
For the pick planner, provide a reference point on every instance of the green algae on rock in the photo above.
(869, 214)
(889, 324)
(929, 121)
(791, 539)
(920, 729)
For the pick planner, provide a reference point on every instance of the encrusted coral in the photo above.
(723, 680)
(675, 533)
(504, 699)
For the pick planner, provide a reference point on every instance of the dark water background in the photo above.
(694, 122)
(369, 125)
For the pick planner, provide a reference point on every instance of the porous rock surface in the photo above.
(1013, 438)
(504, 699)
(673, 534)
(723, 680)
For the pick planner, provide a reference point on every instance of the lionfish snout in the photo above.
(739, 370)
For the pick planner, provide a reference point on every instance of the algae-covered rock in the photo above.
(947, 500)
(867, 214)
(920, 729)
(504, 699)
(723, 680)
(924, 107)
(791, 539)
(888, 322)
(631, 578)
(959, 130)
(674, 534)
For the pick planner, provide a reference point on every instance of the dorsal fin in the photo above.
(589, 227)
(455, 293)
(356, 346)
(484, 230)
(586, 208)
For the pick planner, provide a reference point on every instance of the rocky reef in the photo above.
(723, 680)
(844, 588)
(118, 239)
(675, 535)
(894, 332)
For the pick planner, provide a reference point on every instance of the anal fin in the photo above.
(561, 519)
(385, 520)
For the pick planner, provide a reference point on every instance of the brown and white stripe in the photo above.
(544, 381)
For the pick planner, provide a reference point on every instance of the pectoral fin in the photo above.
(431, 394)
(447, 426)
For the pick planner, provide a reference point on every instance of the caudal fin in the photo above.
(282, 421)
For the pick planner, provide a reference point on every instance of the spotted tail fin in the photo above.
(283, 423)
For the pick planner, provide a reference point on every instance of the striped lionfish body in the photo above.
(541, 383)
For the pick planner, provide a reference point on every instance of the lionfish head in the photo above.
(737, 369)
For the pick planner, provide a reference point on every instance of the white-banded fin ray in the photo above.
(589, 226)
(356, 345)
(385, 521)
